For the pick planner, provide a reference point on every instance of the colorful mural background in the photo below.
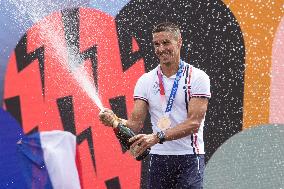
(238, 43)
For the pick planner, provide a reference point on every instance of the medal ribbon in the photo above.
(169, 105)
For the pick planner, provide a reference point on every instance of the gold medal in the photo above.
(164, 123)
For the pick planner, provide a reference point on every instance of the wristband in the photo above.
(161, 136)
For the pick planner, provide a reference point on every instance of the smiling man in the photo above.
(176, 95)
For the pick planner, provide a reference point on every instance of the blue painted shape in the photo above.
(111, 7)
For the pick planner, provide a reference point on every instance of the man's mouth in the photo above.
(164, 55)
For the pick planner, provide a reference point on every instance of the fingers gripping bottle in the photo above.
(123, 134)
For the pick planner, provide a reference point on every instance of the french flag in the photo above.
(41, 160)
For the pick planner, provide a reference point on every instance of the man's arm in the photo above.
(138, 115)
(136, 120)
(197, 108)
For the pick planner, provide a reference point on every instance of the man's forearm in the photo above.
(197, 108)
(138, 115)
(182, 130)
(136, 126)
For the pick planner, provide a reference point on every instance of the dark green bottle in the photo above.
(123, 134)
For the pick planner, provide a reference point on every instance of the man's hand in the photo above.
(108, 118)
(141, 142)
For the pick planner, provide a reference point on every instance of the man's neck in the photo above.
(170, 69)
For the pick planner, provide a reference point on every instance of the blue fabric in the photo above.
(11, 176)
(175, 87)
(32, 162)
(21, 163)
(176, 171)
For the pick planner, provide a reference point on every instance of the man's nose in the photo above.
(160, 48)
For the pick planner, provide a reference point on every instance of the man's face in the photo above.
(167, 47)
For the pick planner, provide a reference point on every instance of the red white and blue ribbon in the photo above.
(168, 106)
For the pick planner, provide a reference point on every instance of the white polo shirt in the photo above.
(193, 83)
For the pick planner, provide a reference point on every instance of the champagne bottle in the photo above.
(123, 134)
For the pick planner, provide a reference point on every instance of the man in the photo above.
(176, 95)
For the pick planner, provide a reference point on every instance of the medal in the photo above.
(164, 123)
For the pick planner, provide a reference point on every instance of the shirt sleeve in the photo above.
(140, 90)
(200, 86)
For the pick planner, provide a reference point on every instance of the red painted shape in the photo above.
(96, 28)
(135, 46)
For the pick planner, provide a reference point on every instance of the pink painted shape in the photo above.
(277, 77)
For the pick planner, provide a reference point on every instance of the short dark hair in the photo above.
(167, 27)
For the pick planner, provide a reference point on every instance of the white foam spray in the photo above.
(35, 10)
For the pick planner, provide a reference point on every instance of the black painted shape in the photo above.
(71, 22)
(24, 59)
(91, 54)
(65, 106)
(66, 110)
(87, 135)
(118, 106)
(13, 106)
(136, 24)
(212, 41)
(113, 183)
(34, 130)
